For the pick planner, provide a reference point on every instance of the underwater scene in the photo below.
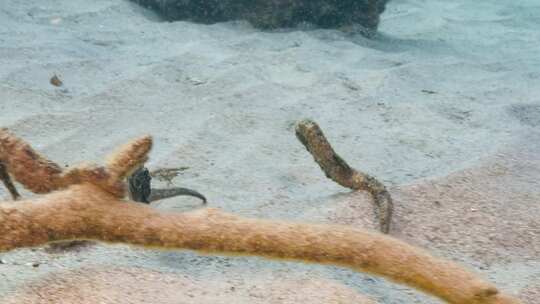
(269, 151)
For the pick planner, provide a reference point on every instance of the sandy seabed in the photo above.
(443, 106)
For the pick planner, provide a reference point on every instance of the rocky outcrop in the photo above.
(272, 14)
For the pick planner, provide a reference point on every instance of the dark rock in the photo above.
(272, 14)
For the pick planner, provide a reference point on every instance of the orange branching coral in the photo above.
(28, 167)
(87, 212)
(89, 207)
(129, 157)
(92, 174)
(41, 175)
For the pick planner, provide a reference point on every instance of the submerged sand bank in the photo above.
(442, 106)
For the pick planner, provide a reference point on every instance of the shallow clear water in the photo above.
(442, 87)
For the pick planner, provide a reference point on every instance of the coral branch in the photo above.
(87, 212)
(90, 173)
(35, 172)
(40, 175)
(129, 157)
(335, 168)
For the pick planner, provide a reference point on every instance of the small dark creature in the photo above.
(140, 190)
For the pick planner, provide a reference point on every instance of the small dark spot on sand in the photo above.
(55, 81)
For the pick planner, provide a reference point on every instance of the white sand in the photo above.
(446, 87)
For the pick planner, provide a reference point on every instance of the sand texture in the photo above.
(442, 106)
